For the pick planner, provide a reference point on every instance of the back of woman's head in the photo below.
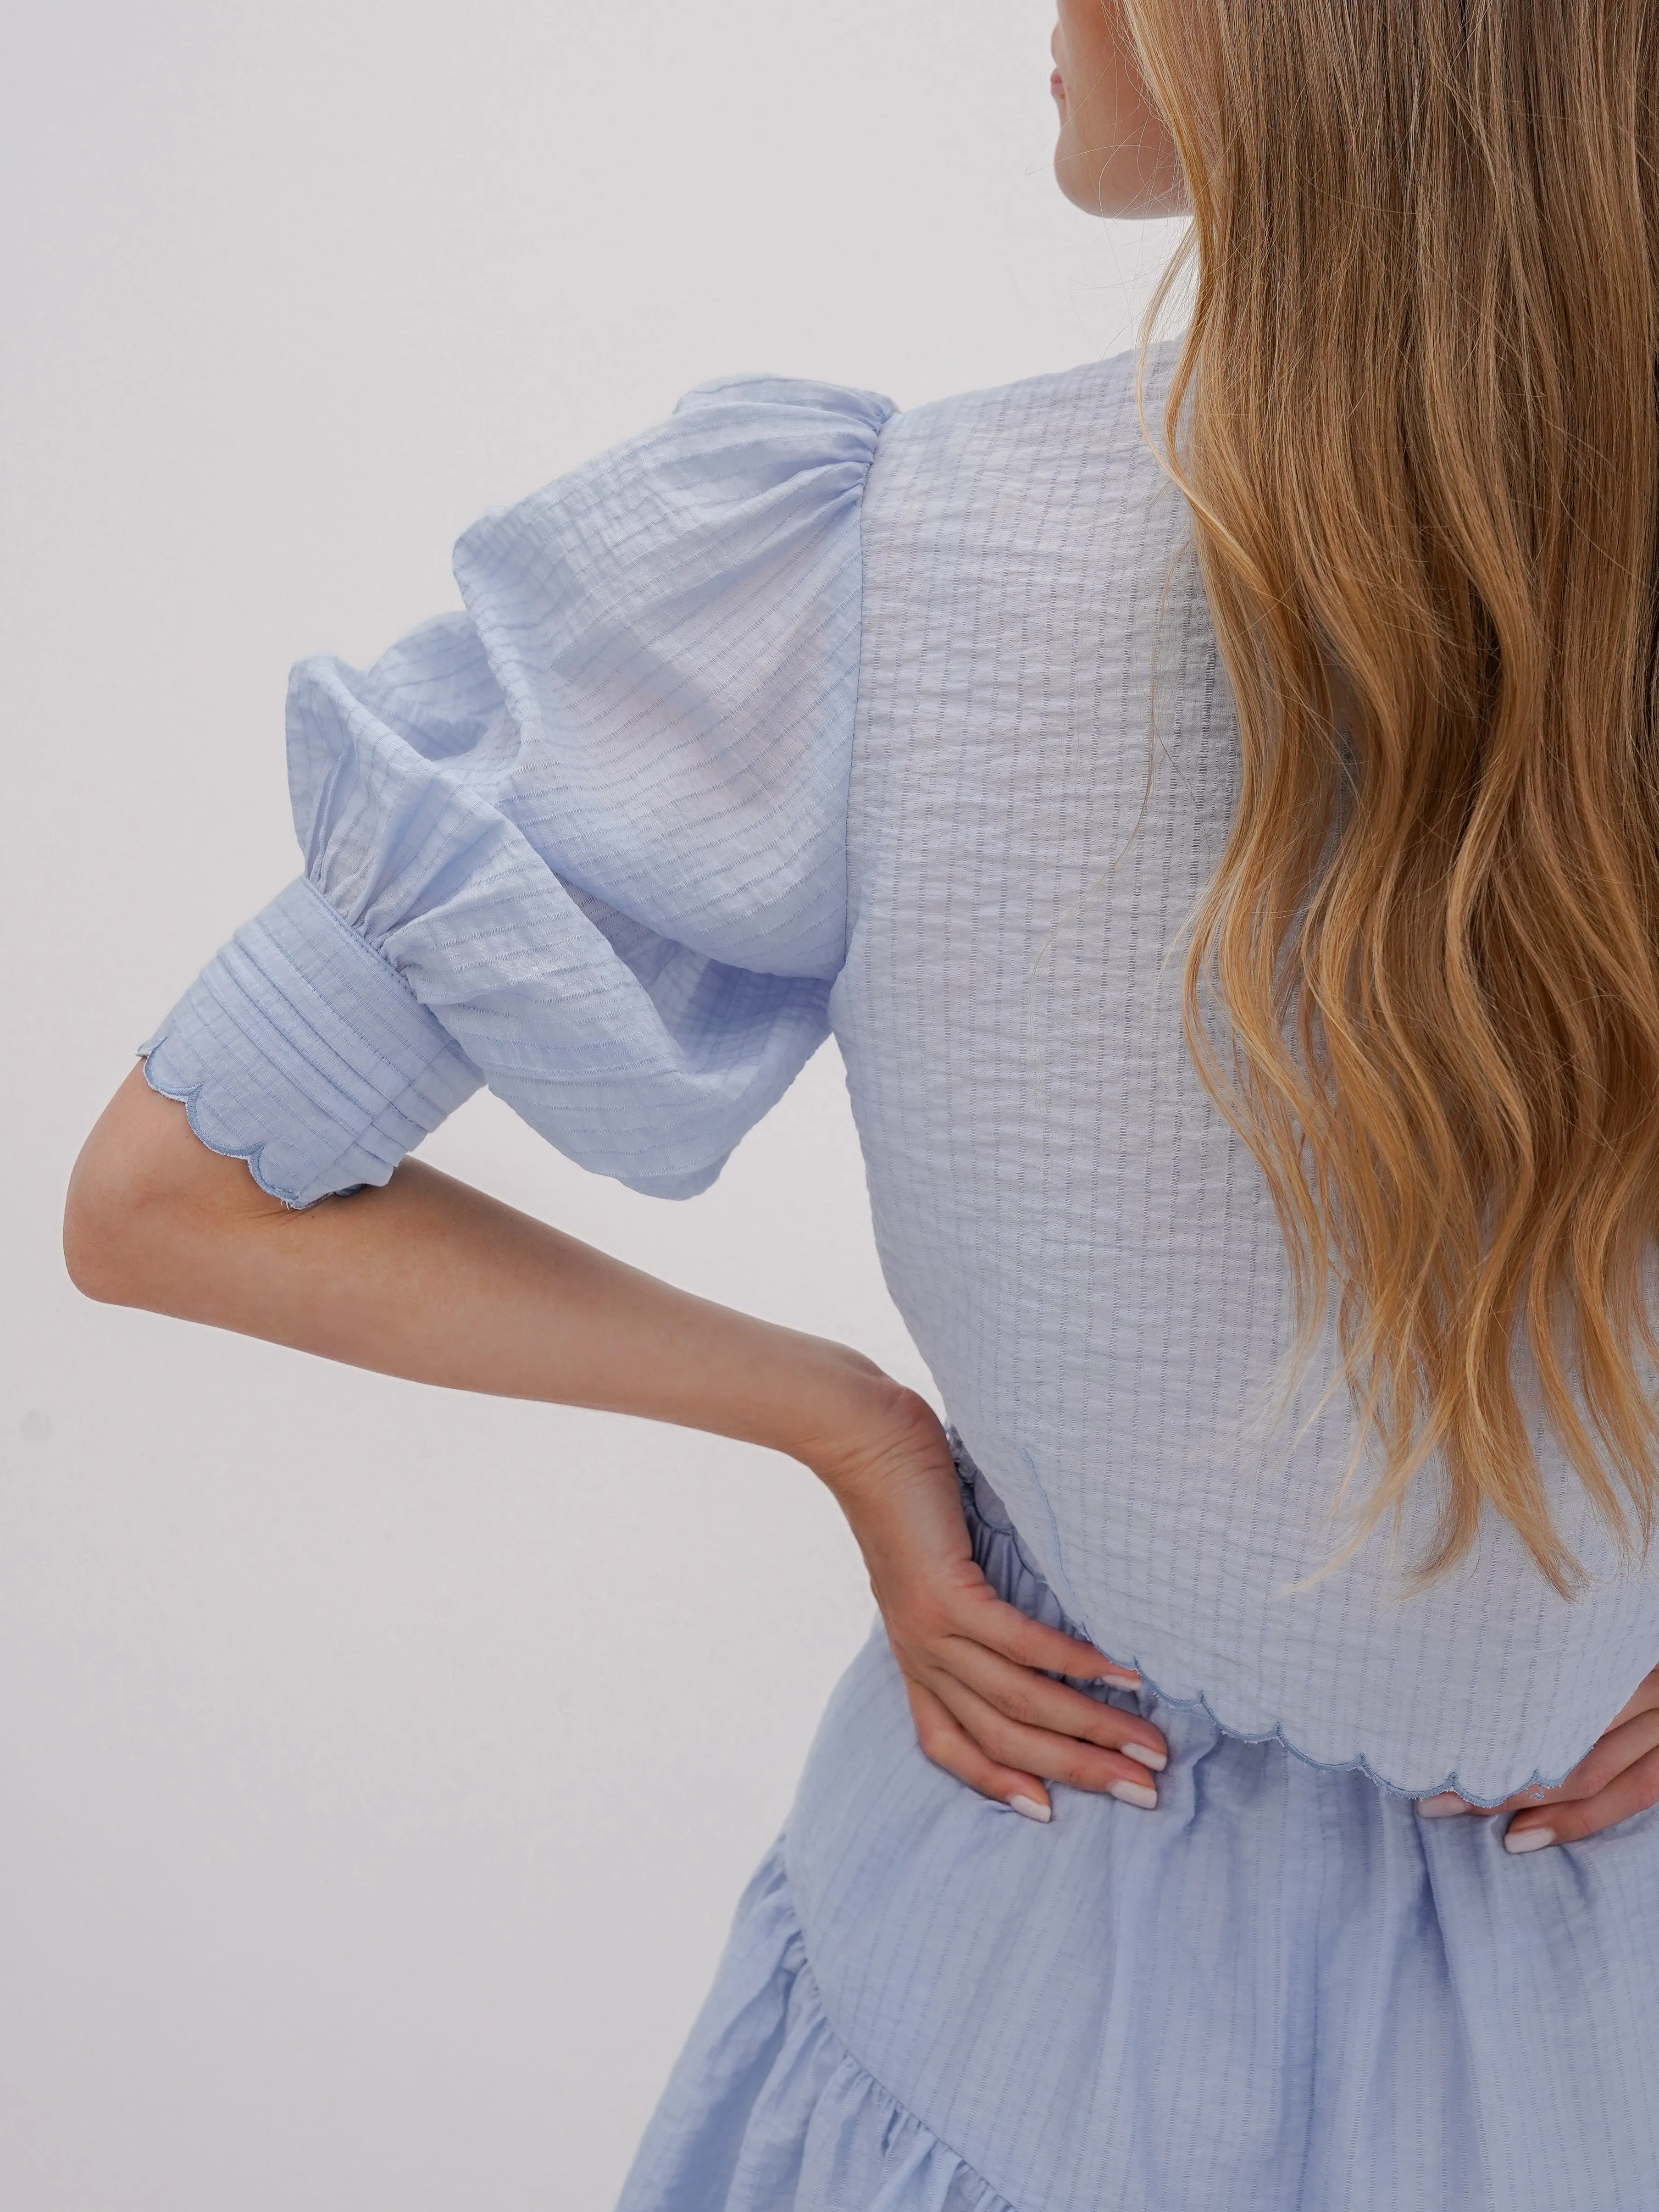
(1416, 418)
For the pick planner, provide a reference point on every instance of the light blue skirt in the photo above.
(1283, 1991)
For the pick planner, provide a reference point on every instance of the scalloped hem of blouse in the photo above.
(189, 1095)
(1000, 1552)
(767, 2109)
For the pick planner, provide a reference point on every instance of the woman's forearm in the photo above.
(433, 1280)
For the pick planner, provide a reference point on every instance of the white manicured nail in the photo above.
(1157, 1761)
(1124, 1677)
(1031, 1809)
(1135, 1793)
(1527, 1839)
(1437, 1807)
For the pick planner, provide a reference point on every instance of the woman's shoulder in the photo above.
(1102, 397)
(1044, 462)
(1026, 456)
(807, 418)
(738, 445)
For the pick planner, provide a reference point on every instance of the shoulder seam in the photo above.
(858, 700)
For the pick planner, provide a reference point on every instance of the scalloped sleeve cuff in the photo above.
(300, 1049)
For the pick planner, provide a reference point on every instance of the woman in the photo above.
(1292, 1318)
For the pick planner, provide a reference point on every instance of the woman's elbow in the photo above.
(110, 1191)
(142, 1189)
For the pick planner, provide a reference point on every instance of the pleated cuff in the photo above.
(300, 1050)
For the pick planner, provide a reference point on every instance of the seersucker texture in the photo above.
(1282, 1991)
(793, 715)
(796, 714)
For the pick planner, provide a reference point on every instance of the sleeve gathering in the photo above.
(584, 842)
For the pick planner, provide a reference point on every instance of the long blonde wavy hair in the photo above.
(1415, 418)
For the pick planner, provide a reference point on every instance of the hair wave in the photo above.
(1415, 418)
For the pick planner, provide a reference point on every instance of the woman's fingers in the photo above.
(949, 1745)
(1035, 1700)
(1646, 1697)
(1632, 1791)
(1443, 1803)
(1617, 1777)
(1621, 1747)
(991, 1620)
(1021, 1748)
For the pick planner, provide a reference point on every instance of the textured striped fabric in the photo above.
(595, 825)
(1085, 1254)
(1280, 1992)
(796, 714)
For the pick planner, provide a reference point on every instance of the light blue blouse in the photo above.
(796, 714)
(793, 713)
(585, 842)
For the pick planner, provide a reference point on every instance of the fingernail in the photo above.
(1031, 1809)
(1157, 1761)
(1135, 1793)
(1437, 1806)
(1125, 1677)
(1527, 1839)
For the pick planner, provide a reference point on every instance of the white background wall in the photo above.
(379, 1768)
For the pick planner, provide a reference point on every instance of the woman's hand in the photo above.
(1618, 1777)
(977, 1670)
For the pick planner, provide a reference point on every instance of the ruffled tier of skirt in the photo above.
(768, 2111)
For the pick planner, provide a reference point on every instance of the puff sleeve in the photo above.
(584, 841)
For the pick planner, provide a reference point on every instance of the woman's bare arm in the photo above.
(432, 1281)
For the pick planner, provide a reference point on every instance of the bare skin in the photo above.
(1114, 155)
(432, 1281)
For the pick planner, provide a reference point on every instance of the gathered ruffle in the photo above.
(767, 2110)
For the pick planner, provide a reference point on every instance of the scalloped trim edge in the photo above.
(187, 1095)
(1358, 1764)
(1275, 1734)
